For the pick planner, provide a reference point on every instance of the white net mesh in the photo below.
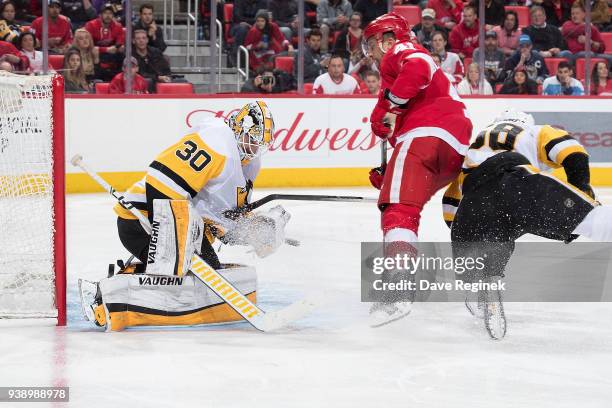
(26, 197)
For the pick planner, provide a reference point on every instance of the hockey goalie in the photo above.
(192, 194)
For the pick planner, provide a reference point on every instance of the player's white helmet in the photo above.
(253, 127)
(513, 115)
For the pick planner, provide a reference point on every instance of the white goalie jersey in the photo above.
(204, 167)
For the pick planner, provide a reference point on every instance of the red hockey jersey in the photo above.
(105, 37)
(433, 106)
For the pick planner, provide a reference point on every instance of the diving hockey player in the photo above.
(430, 134)
(196, 181)
(505, 190)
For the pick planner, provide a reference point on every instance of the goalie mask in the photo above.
(253, 127)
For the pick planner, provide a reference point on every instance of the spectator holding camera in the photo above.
(494, 58)
(268, 81)
(562, 83)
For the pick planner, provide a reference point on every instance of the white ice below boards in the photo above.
(555, 355)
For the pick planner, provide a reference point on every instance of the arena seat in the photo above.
(580, 66)
(284, 64)
(228, 15)
(607, 39)
(174, 88)
(308, 88)
(56, 61)
(410, 13)
(102, 87)
(522, 12)
(552, 64)
(466, 62)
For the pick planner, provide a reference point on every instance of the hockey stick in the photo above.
(383, 153)
(303, 197)
(214, 280)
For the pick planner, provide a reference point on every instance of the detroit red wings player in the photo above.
(430, 135)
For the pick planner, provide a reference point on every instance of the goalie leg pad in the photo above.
(152, 300)
(177, 232)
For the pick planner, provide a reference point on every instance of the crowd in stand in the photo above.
(516, 60)
(90, 36)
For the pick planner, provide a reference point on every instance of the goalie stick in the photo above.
(263, 321)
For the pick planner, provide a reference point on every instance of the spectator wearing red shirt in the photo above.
(60, 30)
(601, 83)
(108, 35)
(574, 34)
(264, 41)
(139, 84)
(464, 37)
(10, 54)
(448, 12)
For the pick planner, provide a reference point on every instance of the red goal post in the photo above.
(32, 197)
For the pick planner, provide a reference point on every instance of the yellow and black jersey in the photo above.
(544, 146)
(203, 166)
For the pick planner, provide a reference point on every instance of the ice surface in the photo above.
(555, 355)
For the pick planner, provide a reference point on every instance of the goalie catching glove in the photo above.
(265, 232)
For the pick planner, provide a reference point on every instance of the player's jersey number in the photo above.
(501, 137)
(197, 158)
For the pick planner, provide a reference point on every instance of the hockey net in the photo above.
(32, 271)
